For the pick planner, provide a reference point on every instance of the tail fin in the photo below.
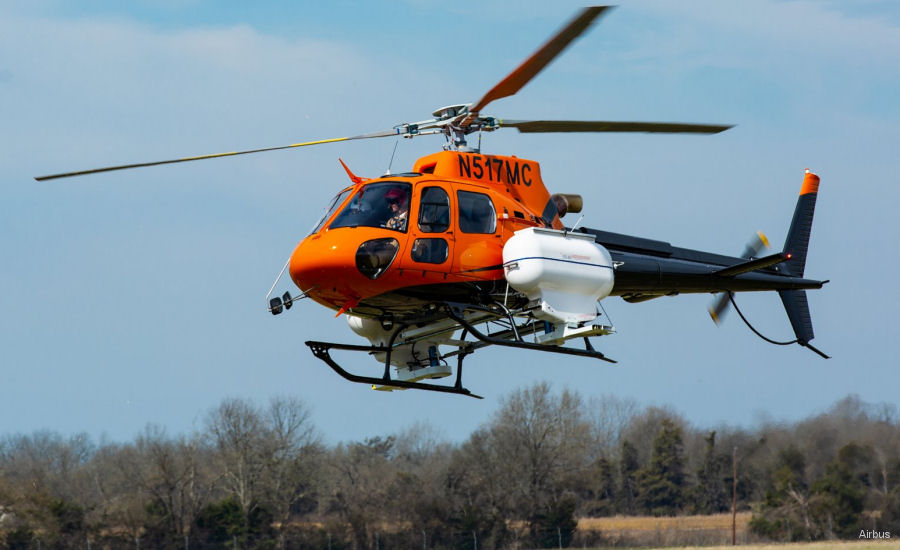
(797, 309)
(795, 247)
(797, 242)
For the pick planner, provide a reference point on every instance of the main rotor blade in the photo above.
(385, 133)
(530, 126)
(541, 58)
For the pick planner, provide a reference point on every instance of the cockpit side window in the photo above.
(337, 201)
(434, 210)
(476, 213)
(382, 204)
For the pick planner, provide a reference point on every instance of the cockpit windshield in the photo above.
(332, 207)
(383, 204)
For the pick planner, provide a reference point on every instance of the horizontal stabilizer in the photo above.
(754, 246)
(752, 265)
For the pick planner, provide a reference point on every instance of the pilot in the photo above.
(398, 209)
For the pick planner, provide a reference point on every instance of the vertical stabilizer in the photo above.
(795, 246)
(797, 242)
(797, 309)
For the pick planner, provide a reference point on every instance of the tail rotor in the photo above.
(719, 306)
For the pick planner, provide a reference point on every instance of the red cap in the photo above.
(395, 193)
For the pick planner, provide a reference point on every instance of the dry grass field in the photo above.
(892, 544)
(647, 523)
(696, 532)
(663, 531)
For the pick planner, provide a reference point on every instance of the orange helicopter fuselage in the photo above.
(462, 208)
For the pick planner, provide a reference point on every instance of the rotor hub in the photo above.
(451, 111)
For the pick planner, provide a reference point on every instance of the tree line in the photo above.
(262, 477)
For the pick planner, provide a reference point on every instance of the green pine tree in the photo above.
(628, 473)
(662, 484)
(838, 501)
(710, 495)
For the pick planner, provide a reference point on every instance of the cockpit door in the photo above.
(428, 254)
(479, 243)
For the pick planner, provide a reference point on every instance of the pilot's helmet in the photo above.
(396, 195)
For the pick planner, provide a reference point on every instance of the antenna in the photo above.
(391, 162)
(572, 229)
(577, 223)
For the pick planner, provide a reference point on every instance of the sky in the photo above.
(138, 297)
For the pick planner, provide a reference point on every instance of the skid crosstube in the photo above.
(455, 311)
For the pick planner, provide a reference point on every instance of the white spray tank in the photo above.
(566, 272)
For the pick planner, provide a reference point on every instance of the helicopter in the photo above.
(469, 244)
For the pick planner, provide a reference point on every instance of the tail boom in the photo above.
(646, 269)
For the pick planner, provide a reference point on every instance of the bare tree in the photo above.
(609, 416)
(235, 429)
(291, 453)
(359, 475)
(546, 441)
(479, 489)
(419, 491)
(47, 483)
(172, 484)
(122, 500)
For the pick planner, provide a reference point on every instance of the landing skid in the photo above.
(511, 336)
(321, 351)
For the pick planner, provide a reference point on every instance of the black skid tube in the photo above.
(321, 351)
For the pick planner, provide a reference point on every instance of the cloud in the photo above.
(116, 83)
(801, 27)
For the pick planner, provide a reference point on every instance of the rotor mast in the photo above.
(450, 119)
